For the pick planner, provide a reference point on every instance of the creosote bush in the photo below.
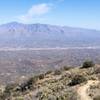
(77, 79)
(88, 63)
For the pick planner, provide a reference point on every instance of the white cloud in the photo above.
(35, 11)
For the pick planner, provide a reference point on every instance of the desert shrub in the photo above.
(97, 97)
(68, 95)
(19, 98)
(87, 64)
(48, 72)
(7, 92)
(3, 96)
(97, 70)
(9, 89)
(77, 79)
(66, 68)
(23, 87)
(57, 72)
(41, 76)
(98, 76)
(38, 94)
(29, 84)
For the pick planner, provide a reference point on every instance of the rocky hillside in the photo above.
(62, 84)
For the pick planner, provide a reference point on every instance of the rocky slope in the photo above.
(61, 84)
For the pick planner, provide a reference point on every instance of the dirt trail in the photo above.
(82, 90)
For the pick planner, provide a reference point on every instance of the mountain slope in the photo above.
(60, 84)
(42, 35)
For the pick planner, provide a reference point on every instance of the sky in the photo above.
(75, 13)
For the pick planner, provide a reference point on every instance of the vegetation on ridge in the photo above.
(61, 84)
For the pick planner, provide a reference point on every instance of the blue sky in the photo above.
(75, 13)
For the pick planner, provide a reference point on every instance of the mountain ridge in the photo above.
(15, 22)
(67, 83)
(16, 34)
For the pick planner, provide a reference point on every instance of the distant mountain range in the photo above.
(42, 35)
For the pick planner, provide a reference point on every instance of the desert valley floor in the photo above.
(15, 65)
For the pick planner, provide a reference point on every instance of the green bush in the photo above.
(87, 64)
(77, 79)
